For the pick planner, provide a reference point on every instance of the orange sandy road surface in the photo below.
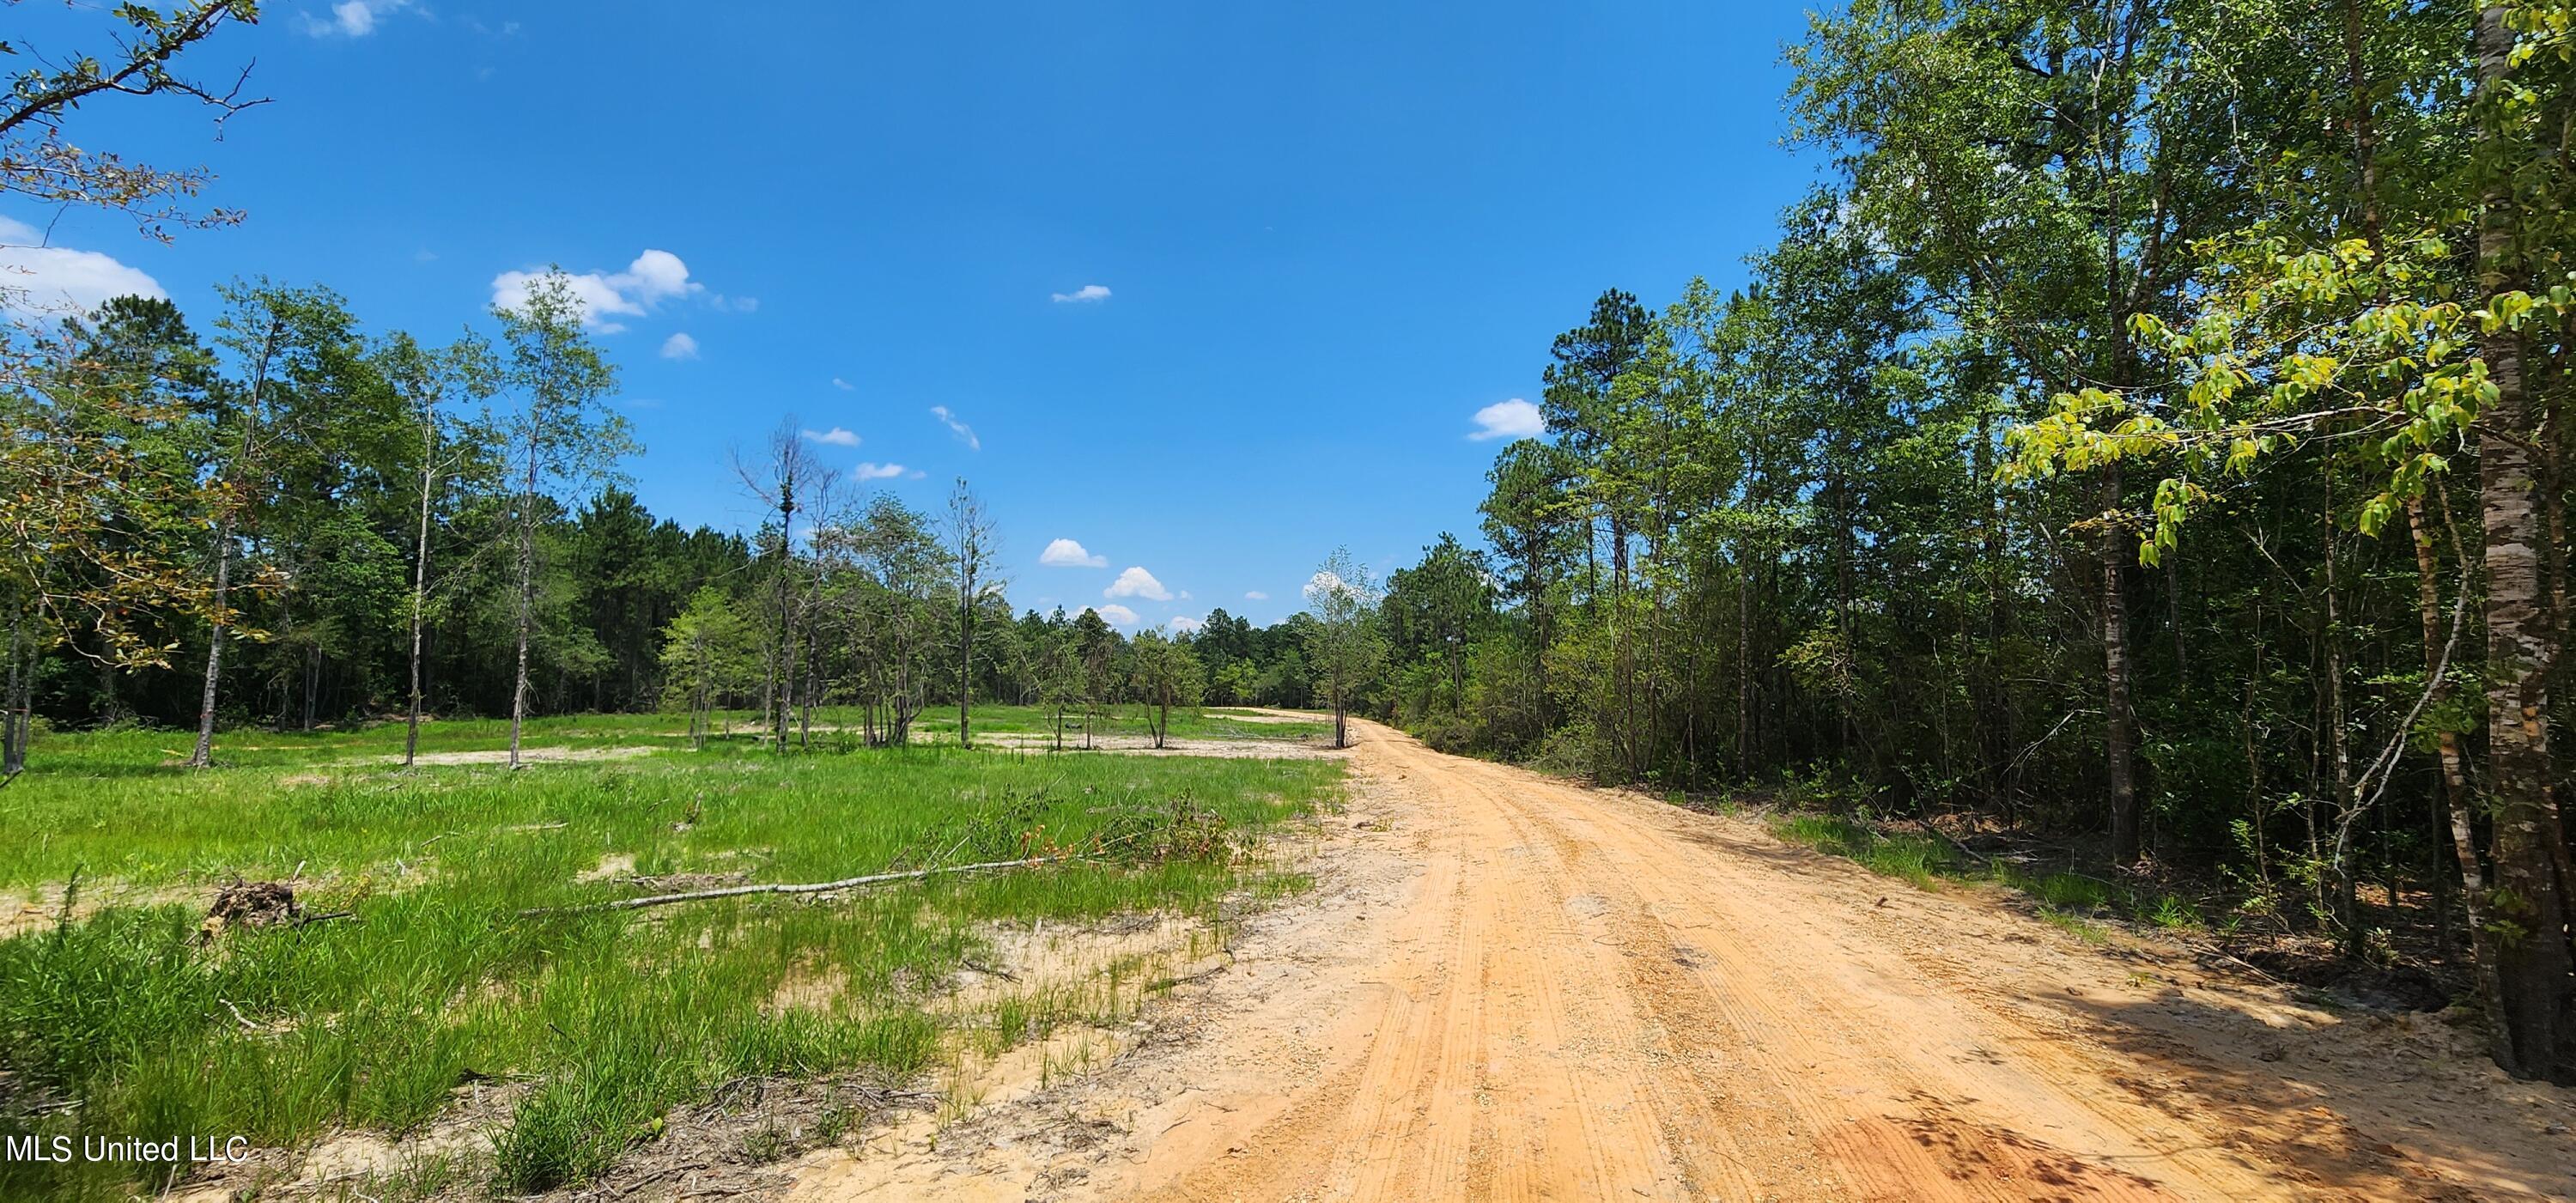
(1509, 987)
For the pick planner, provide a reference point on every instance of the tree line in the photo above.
(292, 523)
(2152, 429)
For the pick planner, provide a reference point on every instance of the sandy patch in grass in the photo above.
(1079, 989)
(1042, 955)
(526, 755)
(611, 865)
(807, 988)
(46, 909)
(1239, 715)
(367, 1158)
(1142, 745)
(447, 1160)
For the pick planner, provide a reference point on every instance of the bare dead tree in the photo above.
(972, 543)
(787, 479)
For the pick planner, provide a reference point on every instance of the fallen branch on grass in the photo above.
(816, 887)
(1955, 842)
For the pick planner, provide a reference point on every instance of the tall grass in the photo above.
(607, 1020)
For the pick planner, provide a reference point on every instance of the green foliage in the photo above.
(1345, 650)
(2120, 437)
(1165, 674)
(708, 655)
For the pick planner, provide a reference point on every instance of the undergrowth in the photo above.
(2070, 900)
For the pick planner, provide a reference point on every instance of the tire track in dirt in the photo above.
(1509, 987)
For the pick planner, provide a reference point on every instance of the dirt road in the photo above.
(1506, 987)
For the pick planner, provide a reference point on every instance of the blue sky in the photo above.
(1318, 239)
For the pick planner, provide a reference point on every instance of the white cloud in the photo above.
(965, 433)
(835, 437)
(1136, 582)
(734, 304)
(1255, 595)
(1088, 294)
(1513, 419)
(868, 471)
(1114, 614)
(654, 277)
(590, 290)
(1323, 585)
(352, 18)
(680, 346)
(1185, 595)
(844, 385)
(1066, 553)
(38, 280)
(1186, 624)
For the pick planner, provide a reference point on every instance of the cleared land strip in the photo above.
(1509, 987)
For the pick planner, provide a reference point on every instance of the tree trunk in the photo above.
(2452, 803)
(784, 691)
(111, 707)
(1539, 631)
(2535, 972)
(527, 586)
(2119, 734)
(204, 756)
(420, 584)
(312, 681)
(1744, 658)
(2346, 899)
(13, 704)
(698, 699)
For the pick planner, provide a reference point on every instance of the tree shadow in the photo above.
(2380, 1104)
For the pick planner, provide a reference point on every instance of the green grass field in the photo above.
(123, 750)
(608, 1020)
(1214, 722)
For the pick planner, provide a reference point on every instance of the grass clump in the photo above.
(2060, 890)
(2173, 912)
(2074, 925)
(1917, 859)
